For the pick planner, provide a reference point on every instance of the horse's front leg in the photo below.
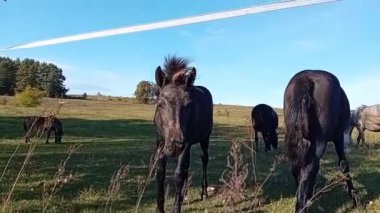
(48, 135)
(160, 178)
(181, 174)
(56, 136)
(205, 159)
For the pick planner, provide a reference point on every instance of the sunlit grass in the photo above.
(113, 133)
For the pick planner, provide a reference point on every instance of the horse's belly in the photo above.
(373, 127)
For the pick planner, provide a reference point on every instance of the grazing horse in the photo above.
(364, 117)
(316, 111)
(36, 125)
(265, 120)
(183, 117)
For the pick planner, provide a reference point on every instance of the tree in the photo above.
(8, 69)
(27, 74)
(46, 77)
(50, 80)
(145, 92)
(16, 75)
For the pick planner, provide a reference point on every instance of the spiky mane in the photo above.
(174, 64)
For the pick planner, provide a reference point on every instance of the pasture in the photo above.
(111, 133)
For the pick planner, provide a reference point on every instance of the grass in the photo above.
(114, 133)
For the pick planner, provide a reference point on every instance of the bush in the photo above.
(30, 97)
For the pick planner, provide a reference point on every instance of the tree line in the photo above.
(17, 75)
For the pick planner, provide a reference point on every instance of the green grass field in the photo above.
(115, 133)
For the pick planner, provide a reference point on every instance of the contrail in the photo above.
(172, 23)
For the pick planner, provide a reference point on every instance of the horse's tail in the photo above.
(298, 118)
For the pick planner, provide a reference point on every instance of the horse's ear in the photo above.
(190, 76)
(160, 77)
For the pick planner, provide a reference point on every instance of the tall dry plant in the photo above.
(8, 162)
(257, 190)
(233, 178)
(59, 179)
(144, 182)
(252, 148)
(32, 146)
(186, 187)
(339, 180)
(117, 179)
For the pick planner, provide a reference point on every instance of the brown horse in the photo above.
(316, 111)
(184, 117)
(36, 125)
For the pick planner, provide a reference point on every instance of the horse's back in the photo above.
(203, 98)
(34, 121)
(40, 121)
(330, 106)
(369, 117)
(202, 111)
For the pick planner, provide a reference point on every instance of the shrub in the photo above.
(29, 97)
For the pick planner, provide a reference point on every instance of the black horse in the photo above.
(36, 125)
(265, 120)
(183, 117)
(316, 111)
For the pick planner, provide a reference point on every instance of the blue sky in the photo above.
(245, 60)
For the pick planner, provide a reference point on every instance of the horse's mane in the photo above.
(174, 65)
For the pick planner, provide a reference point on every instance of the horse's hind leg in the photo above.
(361, 136)
(308, 163)
(296, 172)
(205, 158)
(343, 166)
(307, 177)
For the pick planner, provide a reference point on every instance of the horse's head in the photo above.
(270, 139)
(173, 111)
